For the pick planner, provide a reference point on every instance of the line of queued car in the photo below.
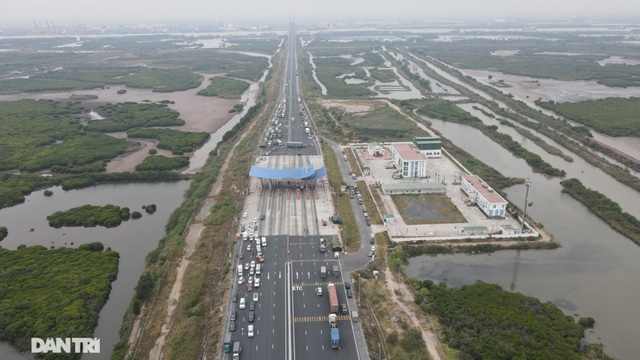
(253, 268)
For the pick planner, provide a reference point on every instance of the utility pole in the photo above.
(527, 183)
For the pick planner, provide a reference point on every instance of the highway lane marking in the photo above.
(313, 260)
(322, 318)
(318, 283)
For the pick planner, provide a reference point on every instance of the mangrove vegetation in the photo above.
(53, 293)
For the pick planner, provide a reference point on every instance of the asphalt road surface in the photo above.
(291, 320)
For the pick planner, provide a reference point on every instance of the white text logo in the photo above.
(66, 345)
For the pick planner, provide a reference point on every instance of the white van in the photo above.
(240, 269)
(258, 269)
(264, 241)
(256, 282)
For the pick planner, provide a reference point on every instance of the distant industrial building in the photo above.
(489, 201)
(430, 146)
(410, 161)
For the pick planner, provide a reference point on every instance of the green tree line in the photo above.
(53, 293)
(225, 87)
(611, 116)
(129, 115)
(605, 208)
(90, 216)
(178, 142)
(162, 163)
(483, 321)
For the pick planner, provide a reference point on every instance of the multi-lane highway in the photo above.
(289, 318)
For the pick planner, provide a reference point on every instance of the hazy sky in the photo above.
(137, 11)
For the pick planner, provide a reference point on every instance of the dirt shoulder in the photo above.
(401, 296)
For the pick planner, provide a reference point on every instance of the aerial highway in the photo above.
(289, 318)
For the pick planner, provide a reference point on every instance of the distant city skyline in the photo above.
(306, 11)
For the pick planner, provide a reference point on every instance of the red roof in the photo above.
(487, 192)
(408, 151)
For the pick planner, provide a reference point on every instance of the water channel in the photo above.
(133, 239)
(594, 273)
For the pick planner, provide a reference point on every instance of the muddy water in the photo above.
(193, 109)
(133, 239)
(594, 273)
(200, 156)
(589, 175)
(529, 89)
(323, 89)
(526, 92)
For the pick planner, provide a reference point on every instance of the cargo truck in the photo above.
(336, 271)
(323, 272)
(236, 350)
(333, 298)
(335, 333)
(335, 338)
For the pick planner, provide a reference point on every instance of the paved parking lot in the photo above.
(442, 170)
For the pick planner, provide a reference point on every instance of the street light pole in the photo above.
(527, 183)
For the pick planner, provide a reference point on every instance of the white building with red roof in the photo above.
(411, 162)
(487, 199)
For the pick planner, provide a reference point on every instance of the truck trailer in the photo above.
(335, 338)
(335, 333)
(333, 298)
(236, 350)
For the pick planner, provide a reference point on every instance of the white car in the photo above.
(246, 266)
(373, 249)
(240, 280)
(244, 215)
(250, 279)
(256, 282)
(243, 303)
(255, 296)
(248, 247)
(252, 271)
(253, 264)
(250, 331)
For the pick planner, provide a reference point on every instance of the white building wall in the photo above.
(432, 153)
(489, 208)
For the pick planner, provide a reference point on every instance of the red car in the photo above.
(250, 287)
(241, 256)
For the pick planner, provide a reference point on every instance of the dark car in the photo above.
(349, 293)
(368, 221)
(252, 315)
(347, 285)
(234, 298)
(234, 315)
(252, 306)
(324, 222)
(232, 326)
(344, 309)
